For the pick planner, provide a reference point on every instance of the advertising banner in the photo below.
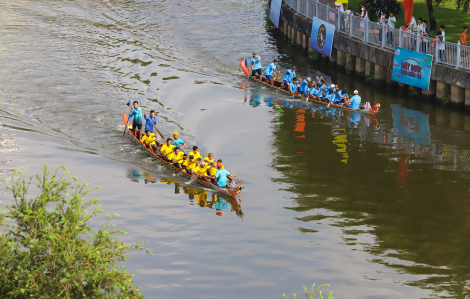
(275, 12)
(412, 68)
(321, 38)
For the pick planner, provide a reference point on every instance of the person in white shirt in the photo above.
(339, 7)
(441, 38)
(382, 20)
(391, 23)
(363, 15)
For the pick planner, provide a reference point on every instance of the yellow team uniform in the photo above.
(201, 170)
(207, 160)
(167, 149)
(176, 158)
(213, 171)
(197, 155)
(189, 164)
(149, 139)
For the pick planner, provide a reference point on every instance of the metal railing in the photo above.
(382, 35)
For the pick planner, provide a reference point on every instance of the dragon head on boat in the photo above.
(376, 108)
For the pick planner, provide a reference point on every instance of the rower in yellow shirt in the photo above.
(150, 141)
(201, 171)
(176, 157)
(195, 153)
(209, 159)
(167, 149)
(189, 165)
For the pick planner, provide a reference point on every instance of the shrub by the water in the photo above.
(311, 294)
(48, 249)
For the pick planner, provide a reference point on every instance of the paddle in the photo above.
(155, 127)
(127, 122)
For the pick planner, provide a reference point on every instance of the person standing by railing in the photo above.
(339, 7)
(391, 23)
(463, 51)
(425, 36)
(382, 20)
(363, 15)
(441, 38)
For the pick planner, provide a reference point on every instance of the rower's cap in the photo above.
(356, 92)
(293, 67)
(254, 53)
(175, 133)
(219, 164)
(275, 60)
(308, 79)
(332, 85)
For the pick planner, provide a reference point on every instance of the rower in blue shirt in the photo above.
(293, 86)
(307, 89)
(330, 93)
(136, 112)
(316, 93)
(304, 84)
(255, 63)
(150, 122)
(288, 77)
(355, 101)
(176, 141)
(341, 96)
(270, 71)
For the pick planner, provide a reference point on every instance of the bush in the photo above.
(293, 39)
(415, 92)
(48, 249)
(308, 295)
(350, 63)
(313, 55)
(446, 96)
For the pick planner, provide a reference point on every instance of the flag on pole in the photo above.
(408, 6)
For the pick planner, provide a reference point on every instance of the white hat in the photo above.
(356, 92)
(337, 4)
(332, 85)
(308, 79)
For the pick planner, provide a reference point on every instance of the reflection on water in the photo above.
(388, 191)
(197, 196)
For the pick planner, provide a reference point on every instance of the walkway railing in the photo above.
(383, 36)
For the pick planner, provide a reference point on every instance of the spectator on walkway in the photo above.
(425, 36)
(339, 7)
(441, 38)
(463, 37)
(391, 23)
(363, 15)
(382, 20)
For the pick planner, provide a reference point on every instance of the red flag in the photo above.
(408, 6)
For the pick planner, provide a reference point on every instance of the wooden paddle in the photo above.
(155, 127)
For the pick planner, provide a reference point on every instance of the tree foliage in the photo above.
(48, 249)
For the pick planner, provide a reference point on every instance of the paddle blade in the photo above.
(125, 118)
(245, 70)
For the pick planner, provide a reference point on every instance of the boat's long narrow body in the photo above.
(231, 192)
(277, 84)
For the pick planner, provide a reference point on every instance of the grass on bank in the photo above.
(446, 14)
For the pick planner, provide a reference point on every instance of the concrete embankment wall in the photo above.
(380, 60)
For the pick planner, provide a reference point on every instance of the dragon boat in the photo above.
(278, 86)
(230, 192)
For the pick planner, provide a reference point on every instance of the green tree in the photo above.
(48, 249)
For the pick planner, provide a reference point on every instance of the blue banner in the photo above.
(412, 68)
(275, 12)
(321, 38)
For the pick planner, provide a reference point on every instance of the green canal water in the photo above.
(376, 207)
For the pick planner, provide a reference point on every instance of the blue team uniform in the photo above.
(355, 102)
(148, 123)
(316, 92)
(256, 64)
(293, 87)
(339, 100)
(330, 95)
(288, 76)
(221, 176)
(303, 85)
(268, 72)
